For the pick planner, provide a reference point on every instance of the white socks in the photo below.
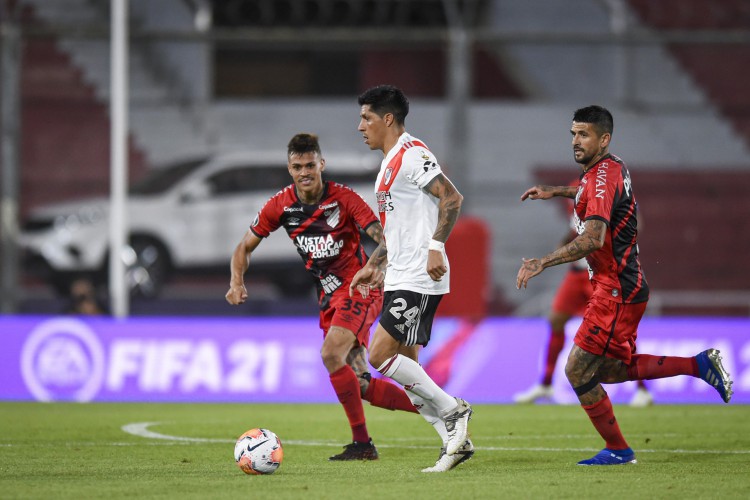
(412, 376)
(430, 414)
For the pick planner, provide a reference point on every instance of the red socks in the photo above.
(383, 394)
(603, 418)
(647, 367)
(346, 385)
(379, 393)
(555, 346)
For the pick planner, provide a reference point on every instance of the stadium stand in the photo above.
(65, 129)
(719, 69)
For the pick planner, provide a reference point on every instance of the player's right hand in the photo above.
(236, 295)
(529, 269)
(436, 267)
(365, 280)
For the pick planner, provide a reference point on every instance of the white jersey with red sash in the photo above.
(409, 216)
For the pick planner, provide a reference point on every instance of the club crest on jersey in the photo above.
(388, 174)
(333, 216)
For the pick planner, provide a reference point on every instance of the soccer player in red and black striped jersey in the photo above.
(604, 346)
(323, 220)
(570, 300)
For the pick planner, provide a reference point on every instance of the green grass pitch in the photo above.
(82, 451)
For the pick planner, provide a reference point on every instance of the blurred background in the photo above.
(217, 88)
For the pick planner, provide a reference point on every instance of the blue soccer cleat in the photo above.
(712, 371)
(611, 457)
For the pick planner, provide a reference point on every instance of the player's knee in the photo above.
(574, 374)
(332, 359)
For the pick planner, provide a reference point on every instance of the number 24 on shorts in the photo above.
(399, 305)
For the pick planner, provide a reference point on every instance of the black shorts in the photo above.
(407, 316)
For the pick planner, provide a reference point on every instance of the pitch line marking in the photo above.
(141, 429)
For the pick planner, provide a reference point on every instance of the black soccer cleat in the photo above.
(357, 451)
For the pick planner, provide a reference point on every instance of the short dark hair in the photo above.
(598, 116)
(303, 143)
(386, 99)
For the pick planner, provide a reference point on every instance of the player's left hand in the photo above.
(529, 269)
(436, 267)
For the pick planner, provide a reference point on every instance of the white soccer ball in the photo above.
(258, 451)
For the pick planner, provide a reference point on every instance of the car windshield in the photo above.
(161, 179)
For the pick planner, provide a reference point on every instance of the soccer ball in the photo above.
(258, 451)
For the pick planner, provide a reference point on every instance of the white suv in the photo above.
(186, 216)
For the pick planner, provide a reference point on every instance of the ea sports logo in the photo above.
(62, 360)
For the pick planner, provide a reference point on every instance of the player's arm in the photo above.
(570, 236)
(372, 274)
(541, 192)
(379, 257)
(449, 207)
(237, 293)
(593, 237)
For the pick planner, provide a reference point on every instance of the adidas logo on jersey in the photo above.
(400, 327)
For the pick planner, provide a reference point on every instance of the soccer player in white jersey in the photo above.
(418, 207)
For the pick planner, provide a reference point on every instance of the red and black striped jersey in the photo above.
(605, 193)
(326, 234)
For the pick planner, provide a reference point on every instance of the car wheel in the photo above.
(147, 266)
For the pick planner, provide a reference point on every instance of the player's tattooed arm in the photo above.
(592, 238)
(379, 257)
(542, 192)
(449, 205)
